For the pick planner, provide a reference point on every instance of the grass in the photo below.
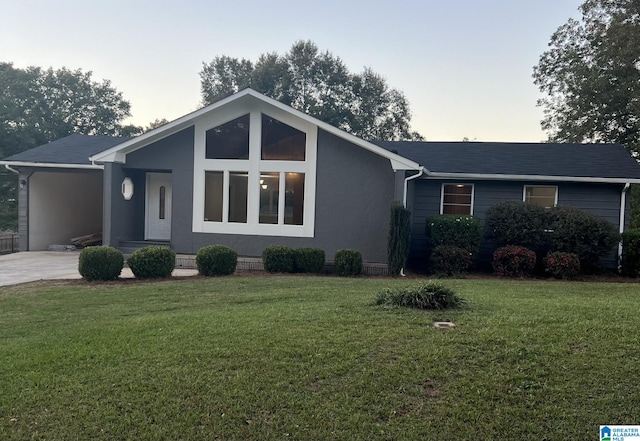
(311, 358)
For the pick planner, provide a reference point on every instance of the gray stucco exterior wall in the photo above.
(354, 189)
(602, 200)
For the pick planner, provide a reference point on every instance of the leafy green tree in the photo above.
(41, 105)
(590, 76)
(317, 83)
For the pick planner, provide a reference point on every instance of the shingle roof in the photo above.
(74, 149)
(524, 159)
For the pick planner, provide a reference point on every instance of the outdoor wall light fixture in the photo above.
(127, 189)
(23, 184)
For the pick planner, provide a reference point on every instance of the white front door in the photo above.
(158, 207)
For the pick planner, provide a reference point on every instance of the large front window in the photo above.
(257, 173)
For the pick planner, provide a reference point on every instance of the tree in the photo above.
(317, 83)
(40, 105)
(590, 76)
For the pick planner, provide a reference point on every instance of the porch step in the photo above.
(129, 246)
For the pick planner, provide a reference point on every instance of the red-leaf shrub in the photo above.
(449, 260)
(514, 261)
(562, 265)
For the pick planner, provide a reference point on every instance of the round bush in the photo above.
(278, 259)
(562, 265)
(455, 230)
(588, 236)
(100, 263)
(514, 261)
(448, 260)
(430, 295)
(348, 263)
(309, 260)
(152, 262)
(216, 260)
(631, 253)
(519, 223)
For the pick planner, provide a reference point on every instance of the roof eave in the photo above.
(51, 165)
(506, 177)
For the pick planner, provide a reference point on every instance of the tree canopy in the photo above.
(590, 76)
(317, 83)
(41, 105)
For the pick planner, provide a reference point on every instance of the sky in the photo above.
(464, 65)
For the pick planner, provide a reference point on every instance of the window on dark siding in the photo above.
(544, 195)
(457, 199)
(281, 141)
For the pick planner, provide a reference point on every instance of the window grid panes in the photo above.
(238, 191)
(281, 141)
(213, 195)
(457, 199)
(269, 197)
(544, 196)
(294, 199)
(229, 140)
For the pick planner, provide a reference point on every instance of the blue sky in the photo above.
(464, 65)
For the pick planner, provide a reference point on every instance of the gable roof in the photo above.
(527, 161)
(118, 153)
(72, 151)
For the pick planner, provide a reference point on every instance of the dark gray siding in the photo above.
(354, 189)
(603, 200)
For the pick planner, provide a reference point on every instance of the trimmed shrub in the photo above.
(631, 253)
(562, 265)
(430, 295)
(100, 263)
(519, 223)
(348, 263)
(514, 261)
(216, 260)
(449, 260)
(588, 236)
(455, 230)
(152, 262)
(278, 259)
(399, 239)
(309, 260)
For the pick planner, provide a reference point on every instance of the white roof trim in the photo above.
(119, 152)
(505, 177)
(52, 165)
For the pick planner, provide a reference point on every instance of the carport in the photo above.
(60, 191)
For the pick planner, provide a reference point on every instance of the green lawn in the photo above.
(311, 358)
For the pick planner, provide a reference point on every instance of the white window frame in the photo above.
(524, 192)
(466, 184)
(253, 166)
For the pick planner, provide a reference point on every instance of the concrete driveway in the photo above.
(47, 265)
(38, 265)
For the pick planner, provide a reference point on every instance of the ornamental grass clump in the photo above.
(430, 295)
(562, 265)
(514, 261)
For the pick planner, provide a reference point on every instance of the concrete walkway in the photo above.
(47, 265)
